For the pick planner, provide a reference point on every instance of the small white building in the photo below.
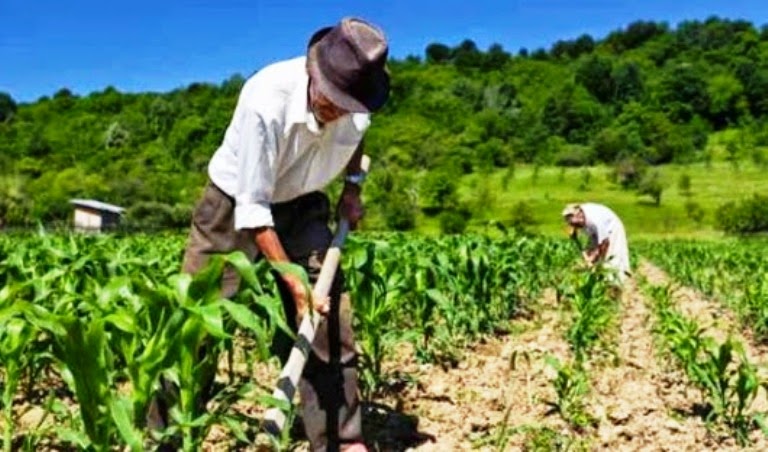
(94, 216)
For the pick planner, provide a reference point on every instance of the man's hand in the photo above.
(350, 205)
(269, 244)
(301, 296)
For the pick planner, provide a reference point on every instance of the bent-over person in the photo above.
(299, 124)
(605, 232)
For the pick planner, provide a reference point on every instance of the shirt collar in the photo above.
(298, 108)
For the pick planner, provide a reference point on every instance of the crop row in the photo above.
(735, 272)
(88, 324)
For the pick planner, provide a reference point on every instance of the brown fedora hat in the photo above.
(348, 64)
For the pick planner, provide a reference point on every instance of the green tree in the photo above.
(628, 82)
(684, 185)
(694, 211)
(454, 220)
(399, 211)
(571, 114)
(438, 191)
(8, 106)
(727, 103)
(596, 75)
(683, 92)
(747, 216)
(15, 203)
(495, 58)
(652, 186)
(438, 53)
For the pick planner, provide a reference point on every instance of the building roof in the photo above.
(97, 205)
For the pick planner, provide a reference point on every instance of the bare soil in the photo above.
(499, 395)
(640, 400)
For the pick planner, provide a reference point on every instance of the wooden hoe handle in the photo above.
(274, 420)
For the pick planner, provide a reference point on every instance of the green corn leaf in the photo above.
(244, 317)
(206, 284)
(269, 401)
(274, 310)
(244, 267)
(43, 319)
(212, 319)
(122, 414)
(116, 289)
(122, 320)
(79, 439)
(181, 283)
(236, 429)
(289, 268)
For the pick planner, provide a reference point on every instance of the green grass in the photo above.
(547, 194)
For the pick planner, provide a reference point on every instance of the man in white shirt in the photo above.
(607, 239)
(298, 124)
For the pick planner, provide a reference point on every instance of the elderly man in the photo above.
(607, 239)
(297, 125)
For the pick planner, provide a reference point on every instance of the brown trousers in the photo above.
(328, 388)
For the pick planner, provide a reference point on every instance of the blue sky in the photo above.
(159, 45)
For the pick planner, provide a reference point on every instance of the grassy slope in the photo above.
(554, 187)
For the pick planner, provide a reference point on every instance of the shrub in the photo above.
(652, 186)
(684, 185)
(694, 211)
(149, 215)
(628, 172)
(745, 217)
(575, 155)
(585, 176)
(522, 217)
(438, 191)
(399, 212)
(454, 220)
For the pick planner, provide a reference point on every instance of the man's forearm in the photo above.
(602, 250)
(269, 245)
(591, 255)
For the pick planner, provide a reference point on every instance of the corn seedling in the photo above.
(571, 387)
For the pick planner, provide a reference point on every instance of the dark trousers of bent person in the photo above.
(328, 387)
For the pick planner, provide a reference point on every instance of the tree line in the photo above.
(646, 94)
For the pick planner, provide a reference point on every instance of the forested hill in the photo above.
(649, 92)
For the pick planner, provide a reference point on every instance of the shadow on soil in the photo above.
(388, 430)
(385, 429)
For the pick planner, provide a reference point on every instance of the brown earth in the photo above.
(640, 401)
(498, 393)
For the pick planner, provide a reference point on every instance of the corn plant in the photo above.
(571, 387)
(15, 336)
(377, 295)
(113, 322)
(594, 312)
(732, 271)
(544, 439)
(104, 317)
(721, 370)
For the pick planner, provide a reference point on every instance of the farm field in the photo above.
(467, 342)
(546, 190)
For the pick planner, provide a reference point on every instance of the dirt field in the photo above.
(500, 395)
(496, 398)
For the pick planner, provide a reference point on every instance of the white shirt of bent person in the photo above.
(602, 223)
(274, 150)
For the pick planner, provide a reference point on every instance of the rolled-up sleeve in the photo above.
(256, 170)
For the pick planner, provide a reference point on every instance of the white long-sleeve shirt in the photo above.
(274, 149)
(602, 223)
